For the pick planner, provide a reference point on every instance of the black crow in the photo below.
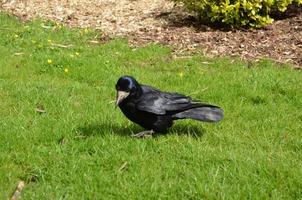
(155, 110)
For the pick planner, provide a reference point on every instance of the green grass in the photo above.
(76, 149)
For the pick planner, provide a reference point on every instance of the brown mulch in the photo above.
(160, 21)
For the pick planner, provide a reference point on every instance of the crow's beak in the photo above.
(120, 96)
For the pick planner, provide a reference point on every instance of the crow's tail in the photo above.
(206, 113)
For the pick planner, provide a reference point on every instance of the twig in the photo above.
(297, 67)
(94, 42)
(8, 29)
(18, 190)
(62, 45)
(40, 109)
(124, 165)
(19, 54)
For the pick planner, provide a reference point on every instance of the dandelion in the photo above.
(58, 25)
(49, 41)
(181, 74)
(16, 36)
(66, 70)
(86, 30)
(77, 53)
(49, 61)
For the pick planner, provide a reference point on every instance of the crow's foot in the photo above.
(144, 134)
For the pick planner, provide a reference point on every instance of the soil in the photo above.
(161, 21)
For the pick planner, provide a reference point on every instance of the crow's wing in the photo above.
(157, 102)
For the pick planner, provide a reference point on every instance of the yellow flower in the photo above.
(181, 74)
(49, 41)
(49, 61)
(16, 36)
(77, 53)
(86, 30)
(66, 70)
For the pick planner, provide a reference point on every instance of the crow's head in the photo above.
(126, 86)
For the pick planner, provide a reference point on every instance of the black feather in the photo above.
(156, 110)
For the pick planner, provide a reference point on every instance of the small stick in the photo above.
(18, 54)
(94, 42)
(62, 45)
(18, 190)
(124, 165)
(40, 110)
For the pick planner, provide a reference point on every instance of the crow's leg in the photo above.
(143, 134)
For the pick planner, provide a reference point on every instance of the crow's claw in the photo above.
(143, 134)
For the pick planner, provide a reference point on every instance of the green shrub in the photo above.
(235, 13)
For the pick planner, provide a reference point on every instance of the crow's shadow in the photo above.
(102, 129)
(106, 128)
(189, 129)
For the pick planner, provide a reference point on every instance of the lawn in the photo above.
(61, 133)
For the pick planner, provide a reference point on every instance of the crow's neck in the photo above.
(138, 92)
